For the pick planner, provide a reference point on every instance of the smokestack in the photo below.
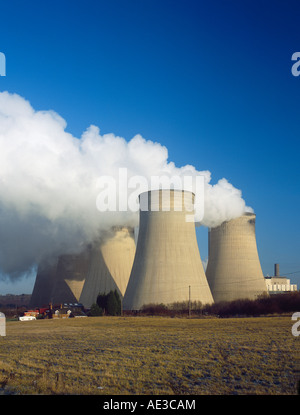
(233, 270)
(167, 260)
(276, 270)
(110, 265)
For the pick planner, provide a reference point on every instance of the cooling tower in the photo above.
(43, 286)
(167, 263)
(110, 265)
(233, 268)
(70, 276)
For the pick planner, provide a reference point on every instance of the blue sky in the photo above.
(210, 80)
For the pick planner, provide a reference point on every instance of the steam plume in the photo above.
(49, 183)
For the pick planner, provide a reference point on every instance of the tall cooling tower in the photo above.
(233, 268)
(60, 280)
(70, 276)
(43, 286)
(110, 265)
(167, 265)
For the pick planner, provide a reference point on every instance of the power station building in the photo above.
(279, 284)
(167, 266)
(233, 269)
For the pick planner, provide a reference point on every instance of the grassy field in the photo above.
(144, 355)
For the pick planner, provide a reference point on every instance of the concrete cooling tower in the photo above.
(60, 280)
(70, 276)
(43, 286)
(167, 264)
(110, 265)
(233, 268)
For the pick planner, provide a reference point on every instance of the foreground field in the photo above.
(137, 355)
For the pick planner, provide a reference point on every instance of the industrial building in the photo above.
(279, 284)
(167, 266)
(233, 269)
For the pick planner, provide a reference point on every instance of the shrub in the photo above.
(110, 303)
(96, 310)
(102, 301)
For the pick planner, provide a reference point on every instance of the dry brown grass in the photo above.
(144, 355)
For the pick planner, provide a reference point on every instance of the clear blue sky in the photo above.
(210, 80)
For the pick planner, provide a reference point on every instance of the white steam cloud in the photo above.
(49, 184)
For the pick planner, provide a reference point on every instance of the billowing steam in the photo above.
(49, 183)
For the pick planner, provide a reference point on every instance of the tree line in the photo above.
(111, 304)
(263, 305)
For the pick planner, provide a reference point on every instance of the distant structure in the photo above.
(70, 277)
(60, 280)
(79, 278)
(279, 284)
(110, 265)
(233, 269)
(44, 283)
(167, 266)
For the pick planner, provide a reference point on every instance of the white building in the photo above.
(278, 284)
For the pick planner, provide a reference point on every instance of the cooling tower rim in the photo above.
(167, 200)
(170, 190)
(244, 215)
